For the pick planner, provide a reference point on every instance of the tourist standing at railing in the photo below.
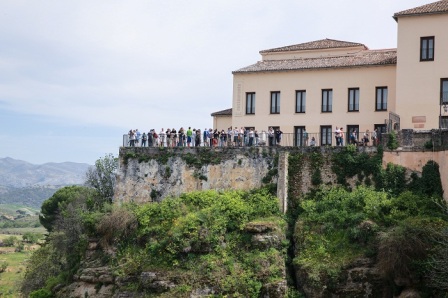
(353, 138)
(229, 136)
(204, 137)
(374, 137)
(251, 137)
(197, 138)
(144, 138)
(257, 138)
(137, 138)
(162, 137)
(131, 135)
(313, 142)
(181, 137)
(341, 136)
(278, 136)
(173, 134)
(365, 138)
(150, 138)
(189, 135)
(155, 138)
(245, 136)
(337, 136)
(271, 135)
(235, 136)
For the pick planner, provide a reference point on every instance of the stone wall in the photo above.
(420, 140)
(151, 174)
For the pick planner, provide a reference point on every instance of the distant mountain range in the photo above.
(27, 184)
(19, 173)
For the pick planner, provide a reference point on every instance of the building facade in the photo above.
(326, 84)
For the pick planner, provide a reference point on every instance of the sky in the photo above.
(75, 75)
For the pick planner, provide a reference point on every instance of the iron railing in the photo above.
(287, 139)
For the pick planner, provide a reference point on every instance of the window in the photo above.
(427, 48)
(353, 99)
(300, 136)
(327, 100)
(250, 103)
(275, 102)
(381, 99)
(443, 121)
(444, 91)
(325, 135)
(300, 101)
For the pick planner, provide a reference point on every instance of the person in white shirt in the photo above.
(162, 136)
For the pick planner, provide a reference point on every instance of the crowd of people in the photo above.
(208, 137)
(236, 137)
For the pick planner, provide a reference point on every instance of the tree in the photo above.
(101, 177)
(9, 241)
(52, 207)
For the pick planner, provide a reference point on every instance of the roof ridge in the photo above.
(315, 45)
(430, 8)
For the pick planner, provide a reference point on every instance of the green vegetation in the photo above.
(202, 235)
(101, 177)
(392, 142)
(349, 163)
(208, 240)
(399, 223)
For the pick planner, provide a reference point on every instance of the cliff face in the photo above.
(146, 174)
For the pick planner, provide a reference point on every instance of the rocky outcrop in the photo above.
(148, 174)
(97, 280)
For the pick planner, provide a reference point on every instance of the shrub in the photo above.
(402, 247)
(392, 142)
(202, 235)
(31, 237)
(41, 293)
(10, 241)
(3, 266)
(117, 225)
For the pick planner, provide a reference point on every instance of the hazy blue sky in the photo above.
(77, 75)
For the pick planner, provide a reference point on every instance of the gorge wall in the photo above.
(151, 174)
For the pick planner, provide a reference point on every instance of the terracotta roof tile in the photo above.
(316, 45)
(431, 8)
(227, 112)
(362, 58)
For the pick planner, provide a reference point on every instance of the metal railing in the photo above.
(286, 139)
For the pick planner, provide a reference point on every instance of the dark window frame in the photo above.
(353, 103)
(426, 52)
(275, 96)
(327, 101)
(299, 140)
(300, 101)
(443, 92)
(250, 103)
(381, 100)
(326, 137)
(443, 121)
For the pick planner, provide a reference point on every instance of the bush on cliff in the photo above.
(336, 227)
(204, 240)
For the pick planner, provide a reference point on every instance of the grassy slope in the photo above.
(15, 261)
